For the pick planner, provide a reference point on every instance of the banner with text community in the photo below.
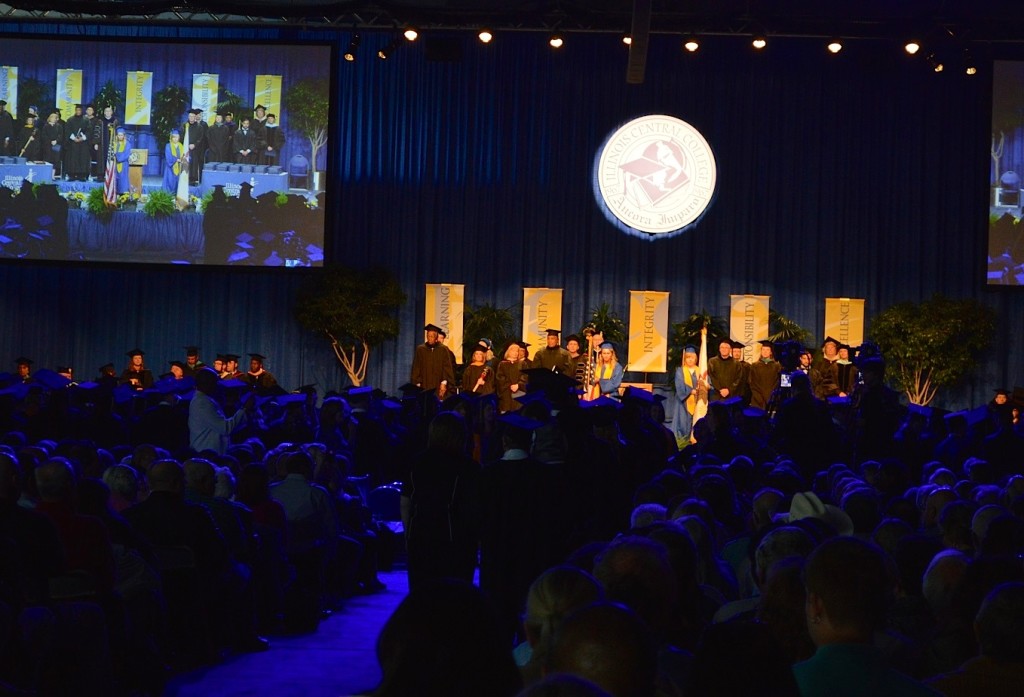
(9, 88)
(844, 320)
(542, 310)
(69, 91)
(748, 322)
(268, 93)
(205, 87)
(445, 309)
(648, 331)
(138, 101)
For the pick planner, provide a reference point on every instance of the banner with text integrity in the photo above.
(205, 87)
(138, 101)
(648, 331)
(748, 322)
(844, 320)
(69, 92)
(542, 310)
(445, 306)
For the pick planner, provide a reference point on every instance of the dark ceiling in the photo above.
(978, 20)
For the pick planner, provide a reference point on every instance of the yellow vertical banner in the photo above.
(542, 310)
(9, 88)
(648, 331)
(445, 308)
(844, 320)
(204, 94)
(138, 98)
(268, 93)
(69, 91)
(748, 322)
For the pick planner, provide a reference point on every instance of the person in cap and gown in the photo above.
(432, 369)
(608, 371)
(577, 358)
(76, 145)
(258, 124)
(259, 378)
(724, 373)
(847, 374)
(122, 152)
(218, 140)
(231, 370)
(826, 365)
(24, 368)
(553, 356)
(26, 140)
(192, 362)
(244, 144)
(174, 160)
(193, 132)
(509, 380)
(51, 138)
(104, 129)
(273, 141)
(742, 389)
(136, 373)
(478, 378)
(691, 387)
(442, 338)
(764, 376)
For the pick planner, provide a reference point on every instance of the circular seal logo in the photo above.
(655, 175)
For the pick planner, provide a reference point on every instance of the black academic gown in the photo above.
(723, 373)
(244, 146)
(273, 141)
(218, 143)
(764, 378)
(76, 144)
(26, 143)
(431, 364)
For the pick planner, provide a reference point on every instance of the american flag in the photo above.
(109, 178)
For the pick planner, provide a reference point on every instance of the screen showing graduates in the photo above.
(1005, 232)
(196, 154)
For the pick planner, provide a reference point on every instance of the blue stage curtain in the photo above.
(865, 176)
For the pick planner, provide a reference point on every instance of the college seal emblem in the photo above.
(655, 175)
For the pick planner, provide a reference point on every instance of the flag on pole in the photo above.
(701, 409)
(181, 195)
(109, 177)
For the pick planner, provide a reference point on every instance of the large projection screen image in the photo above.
(160, 152)
(1005, 236)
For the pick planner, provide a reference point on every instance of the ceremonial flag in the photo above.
(109, 177)
(181, 195)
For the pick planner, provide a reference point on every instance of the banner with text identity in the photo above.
(542, 310)
(138, 102)
(268, 93)
(445, 306)
(844, 320)
(9, 88)
(648, 331)
(205, 87)
(69, 91)
(748, 322)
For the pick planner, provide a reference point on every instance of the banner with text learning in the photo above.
(268, 93)
(542, 310)
(748, 322)
(69, 91)
(844, 320)
(444, 308)
(648, 331)
(9, 88)
(138, 101)
(204, 94)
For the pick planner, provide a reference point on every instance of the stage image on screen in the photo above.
(150, 152)
(1005, 231)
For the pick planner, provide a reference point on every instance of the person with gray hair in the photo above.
(645, 514)
(123, 482)
(998, 670)
(208, 427)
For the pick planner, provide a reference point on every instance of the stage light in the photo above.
(935, 63)
(912, 46)
(970, 67)
(411, 33)
(389, 49)
(556, 40)
(835, 46)
(353, 46)
(485, 35)
(691, 44)
(627, 39)
(759, 41)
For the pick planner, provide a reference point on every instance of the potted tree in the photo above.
(308, 109)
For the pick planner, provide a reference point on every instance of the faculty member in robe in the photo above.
(431, 363)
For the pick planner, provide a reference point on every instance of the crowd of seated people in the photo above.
(609, 561)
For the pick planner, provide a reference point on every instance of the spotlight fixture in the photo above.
(970, 67)
(835, 45)
(485, 35)
(411, 33)
(556, 40)
(935, 63)
(691, 44)
(912, 46)
(627, 39)
(389, 49)
(353, 46)
(759, 41)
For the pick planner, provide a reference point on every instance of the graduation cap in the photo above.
(21, 360)
(828, 339)
(18, 390)
(731, 402)
(179, 364)
(191, 350)
(195, 111)
(573, 337)
(844, 346)
(135, 352)
(480, 347)
(231, 357)
(514, 420)
(120, 129)
(105, 367)
(410, 390)
(602, 401)
(838, 401)
(63, 369)
(689, 348)
(521, 344)
(258, 107)
(553, 332)
(754, 413)
(487, 343)
(737, 344)
(234, 383)
(442, 332)
(977, 415)
(287, 399)
(432, 328)
(766, 342)
(50, 379)
(638, 395)
(453, 402)
(607, 345)
(535, 398)
(175, 132)
(257, 357)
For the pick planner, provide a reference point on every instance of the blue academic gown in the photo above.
(682, 419)
(121, 155)
(171, 166)
(610, 386)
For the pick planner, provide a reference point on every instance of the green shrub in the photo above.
(159, 203)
